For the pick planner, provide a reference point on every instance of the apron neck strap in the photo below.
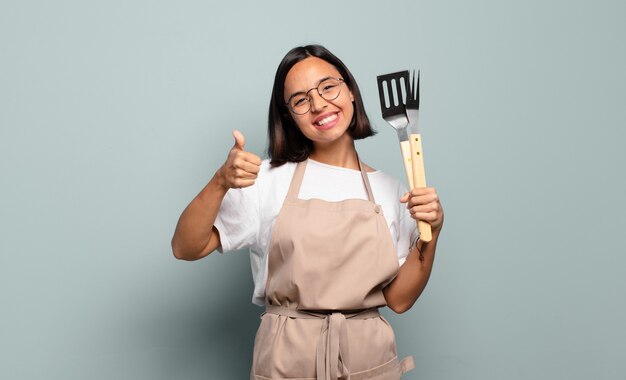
(296, 180)
(366, 181)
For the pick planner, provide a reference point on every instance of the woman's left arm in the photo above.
(406, 287)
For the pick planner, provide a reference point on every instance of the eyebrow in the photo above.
(303, 92)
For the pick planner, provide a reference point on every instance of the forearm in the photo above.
(412, 277)
(195, 236)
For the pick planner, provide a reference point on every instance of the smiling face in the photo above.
(328, 120)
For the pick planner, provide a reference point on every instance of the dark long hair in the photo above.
(286, 142)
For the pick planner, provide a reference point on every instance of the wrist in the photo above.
(435, 233)
(218, 184)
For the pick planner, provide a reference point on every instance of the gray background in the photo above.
(113, 115)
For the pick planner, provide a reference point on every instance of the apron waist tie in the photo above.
(332, 346)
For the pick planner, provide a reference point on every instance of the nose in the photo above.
(317, 102)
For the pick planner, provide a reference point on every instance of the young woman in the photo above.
(331, 239)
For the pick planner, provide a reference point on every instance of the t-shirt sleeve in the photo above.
(238, 219)
(407, 230)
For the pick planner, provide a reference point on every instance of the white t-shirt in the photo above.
(247, 216)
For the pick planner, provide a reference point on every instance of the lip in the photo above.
(327, 125)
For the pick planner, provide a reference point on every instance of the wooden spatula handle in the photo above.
(405, 147)
(419, 180)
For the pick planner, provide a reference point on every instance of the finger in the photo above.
(242, 183)
(250, 168)
(243, 163)
(428, 217)
(240, 140)
(252, 158)
(242, 174)
(238, 156)
(431, 207)
(423, 199)
(417, 191)
(405, 198)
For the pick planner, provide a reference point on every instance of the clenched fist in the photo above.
(241, 168)
(423, 204)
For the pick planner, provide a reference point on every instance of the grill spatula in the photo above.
(392, 98)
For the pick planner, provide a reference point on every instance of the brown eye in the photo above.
(298, 101)
(328, 87)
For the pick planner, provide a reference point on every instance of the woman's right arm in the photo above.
(195, 235)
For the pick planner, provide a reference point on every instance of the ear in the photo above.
(351, 96)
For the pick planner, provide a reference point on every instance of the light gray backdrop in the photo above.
(113, 115)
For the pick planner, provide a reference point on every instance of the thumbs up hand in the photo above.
(241, 168)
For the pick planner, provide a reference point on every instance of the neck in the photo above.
(338, 153)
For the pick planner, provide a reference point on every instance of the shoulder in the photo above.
(386, 183)
(383, 179)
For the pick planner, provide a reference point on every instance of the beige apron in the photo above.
(327, 261)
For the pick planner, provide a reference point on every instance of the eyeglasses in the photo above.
(328, 89)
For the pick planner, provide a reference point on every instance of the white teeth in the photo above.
(327, 119)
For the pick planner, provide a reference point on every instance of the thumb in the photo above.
(240, 140)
